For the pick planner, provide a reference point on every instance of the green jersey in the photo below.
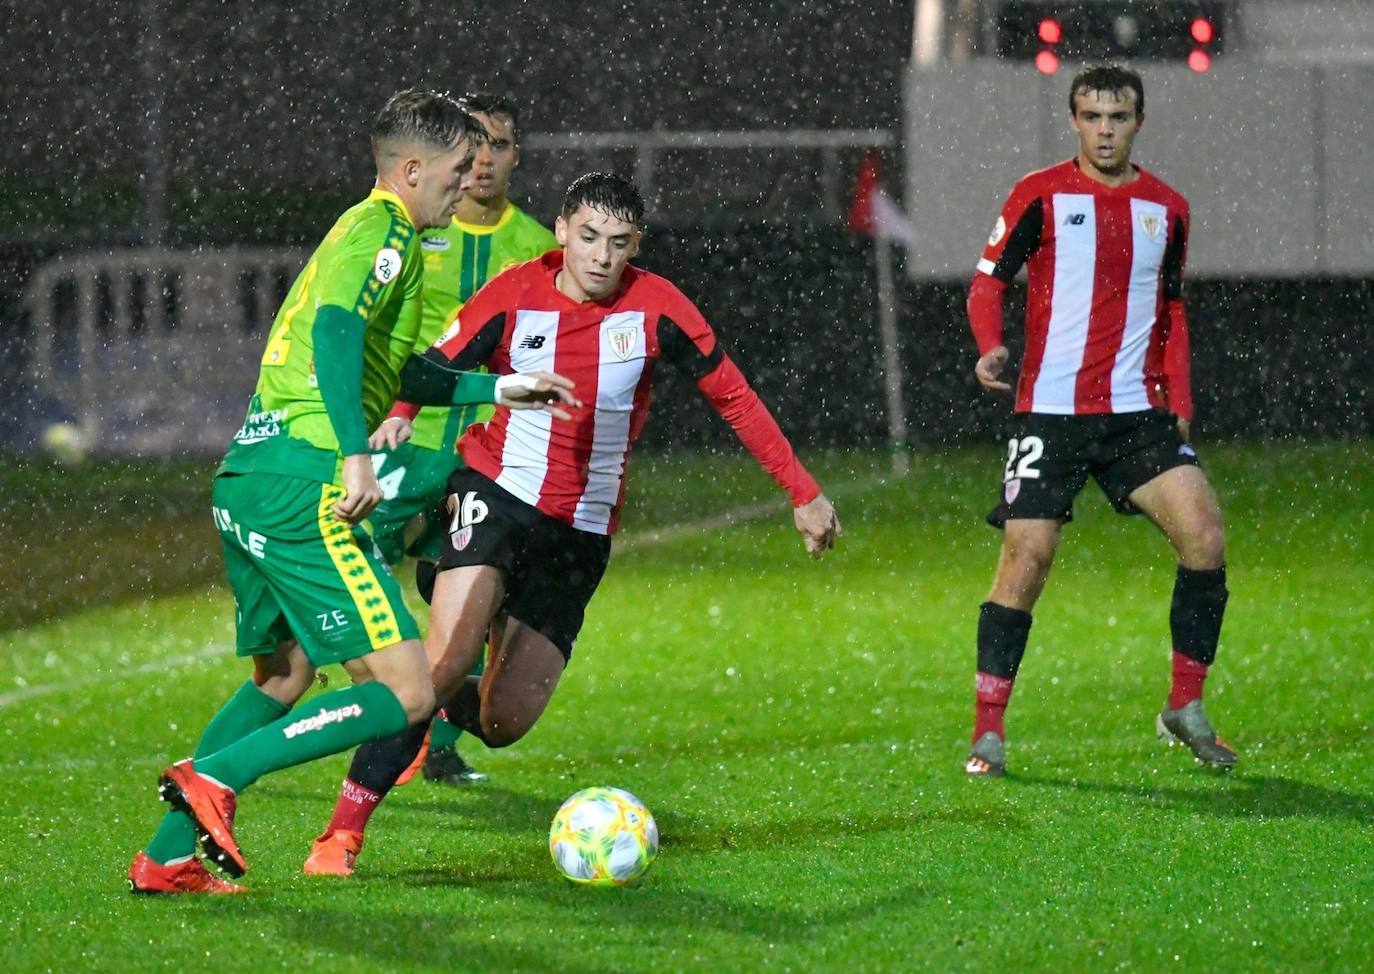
(458, 260)
(368, 267)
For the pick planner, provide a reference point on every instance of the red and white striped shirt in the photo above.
(574, 470)
(1105, 329)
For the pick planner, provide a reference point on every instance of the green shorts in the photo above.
(413, 479)
(298, 571)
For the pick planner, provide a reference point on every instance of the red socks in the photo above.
(1188, 677)
(993, 693)
(991, 696)
(354, 808)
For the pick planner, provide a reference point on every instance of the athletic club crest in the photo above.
(1152, 224)
(462, 537)
(623, 339)
(1011, 489)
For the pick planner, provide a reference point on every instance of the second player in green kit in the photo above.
(488, 234)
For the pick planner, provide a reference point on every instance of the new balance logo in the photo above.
(1075, 219)
(532, 341)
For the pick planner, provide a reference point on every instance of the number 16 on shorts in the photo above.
(1022, 454)
(467, 511)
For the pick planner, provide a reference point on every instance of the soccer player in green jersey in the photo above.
(487, 235)
(292, 493)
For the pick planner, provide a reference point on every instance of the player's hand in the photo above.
(819, 526)
(362, 492)
(393, 431)
(537, 390)
(989, 367)
(1184, 428)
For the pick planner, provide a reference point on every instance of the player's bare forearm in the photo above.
(818, 524)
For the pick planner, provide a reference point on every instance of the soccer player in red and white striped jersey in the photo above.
(1104, 390)
(533, 514)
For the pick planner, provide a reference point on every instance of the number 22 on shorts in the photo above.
(1021, 457)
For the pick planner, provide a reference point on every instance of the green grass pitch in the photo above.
(798, 729)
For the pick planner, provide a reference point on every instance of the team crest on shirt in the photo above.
(1152, 224)
(998, 230)
(387, 264)
(1012, 489)
(623, 339)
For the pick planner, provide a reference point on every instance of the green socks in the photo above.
(442, 735)
(246, 711)
(329, 723)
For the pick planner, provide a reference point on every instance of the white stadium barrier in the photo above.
(151, 351)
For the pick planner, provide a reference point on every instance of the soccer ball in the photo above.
(603, 837)
(65, 443)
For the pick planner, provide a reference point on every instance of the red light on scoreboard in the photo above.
(1049, 31)
(1047, 62)
(1199, 60)
(1202, 30)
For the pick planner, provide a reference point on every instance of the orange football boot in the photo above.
(335, 853)
(211, 806)
(190, 876)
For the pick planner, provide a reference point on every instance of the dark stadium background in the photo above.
(264, 116)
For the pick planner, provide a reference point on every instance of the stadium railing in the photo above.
(153, 351)
(772, 170)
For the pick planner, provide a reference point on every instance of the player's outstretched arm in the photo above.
(537, 390)
(818, 524)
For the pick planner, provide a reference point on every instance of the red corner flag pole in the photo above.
(873, 214)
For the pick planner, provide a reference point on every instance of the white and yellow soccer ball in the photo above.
(66, 443)
(603, 837)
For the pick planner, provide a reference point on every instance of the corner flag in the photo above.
(874, 214)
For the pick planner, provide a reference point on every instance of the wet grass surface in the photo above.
(798, 728)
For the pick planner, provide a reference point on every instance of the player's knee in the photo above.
(1030, 560)
(1205, 547)
(416, 697)
(503, 730)
(1214, 545)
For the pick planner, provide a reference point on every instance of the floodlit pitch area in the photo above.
(796, 728)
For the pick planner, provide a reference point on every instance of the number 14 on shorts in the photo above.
(391, 483)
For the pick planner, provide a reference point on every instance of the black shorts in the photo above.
(1049, 459)
(550, 569)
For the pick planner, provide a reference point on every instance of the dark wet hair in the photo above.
(489, 104)
(1114, 78)
(428, 117)
(611, 194)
